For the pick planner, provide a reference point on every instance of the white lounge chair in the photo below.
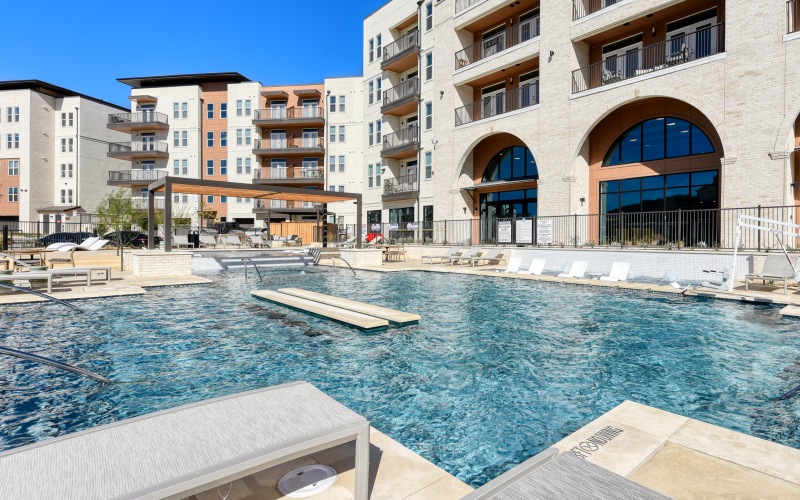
(776, 268)
(619, 272)
(181, 241)
(258, 242)
(208, 240)
(465, 256)
(232, 240)
(514, 264)
(536, 268)
(577, 270)
(493, 256)
(92, 244)
(452, 252)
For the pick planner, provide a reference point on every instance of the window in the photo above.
(67, 119)
(13, 195)
(332, 164)
(12, 114)
(658, 139)
(223, 139)
(184, 110)
(429, 16)
(66, 197)
(512, 163)
(332, 104)
(239, 166)
(371, 47)
(209, 199)
(239, 134)
(247, 166)
(341, 133)
(210, 138)
(341, 164)
(239, 107)
(332, 135)
(66, 170)
(428, 115)
(209, 167)
(176, 198)
(247, 110)
(622, 59)
(63, 145)
(210, 111)
(176, 167)
(223, 110)
(185, 167)
(341, 189)
(13, 167)
(428, 164)
(223, 199)
(378, 97)
(176, 139)
(184, 138)
(176, 110)
(223, 167)
(377, 175)
(248, 136)
(16, 142)
(369, 175)
(12, 142)
(371, 92)
(428, 66)
(341, 104)
(378, 48)
(377, 131)
(371, 133)
(331, 187)
(685, 191)
(185, 198)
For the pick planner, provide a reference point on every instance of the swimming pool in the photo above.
(496, 371)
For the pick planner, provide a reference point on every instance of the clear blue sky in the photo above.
(85, 45)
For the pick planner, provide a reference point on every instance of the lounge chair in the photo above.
(258, 242)
(535, 268)
(513, 266)
(550, 475)
(208, 241)
(181, 241)
(349, 242)
(493, 256)
(81, 272)
(776, 268)
(15, 263)
(183, 451)
(232, 240)
(35, 275)
(465, 256)
(446, 257)
(91, 244)
(577, 270)
(619, 272)
(66, 257)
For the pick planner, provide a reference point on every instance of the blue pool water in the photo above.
(496, 371)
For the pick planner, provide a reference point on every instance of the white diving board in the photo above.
(391, 315)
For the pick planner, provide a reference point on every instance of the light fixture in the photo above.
(441, 94)
(552, 53)
(465, 209)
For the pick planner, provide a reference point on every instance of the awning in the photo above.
(60, 210)
(240, 190)
(498, 184)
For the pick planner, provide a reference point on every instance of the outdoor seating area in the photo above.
(776, 268)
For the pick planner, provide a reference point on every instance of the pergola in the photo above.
(177, 185)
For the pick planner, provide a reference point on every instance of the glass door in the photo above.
(492, 98)
(277, 168)
(529, 89)
(310, 137)
(277, 110)
(529, 25)
(277, 139)
(310, 107)
(148, 142)
(494, 41)
(147, 111)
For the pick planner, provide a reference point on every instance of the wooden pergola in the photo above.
(178, 185)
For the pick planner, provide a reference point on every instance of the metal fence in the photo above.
(23, 234)
(504, 102)
(668, 229)
(489, 46)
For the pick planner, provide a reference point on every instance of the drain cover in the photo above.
(307, 481)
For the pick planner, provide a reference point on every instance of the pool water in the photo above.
(496, 371)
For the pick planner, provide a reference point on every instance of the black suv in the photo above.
(226, 227)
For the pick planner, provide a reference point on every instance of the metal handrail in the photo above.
(406, 42)
(408, 135)
(138, 147)
(506, 39)
(293, 113)
(463, 4)
(246, 260)
(136, 175)
(405, 184)
(51, 362)
(289, 173)
(583, 8)
(498, 104)
(333, 261)
(138, 117)
(401, 91)
(676, 51)
(290, 143)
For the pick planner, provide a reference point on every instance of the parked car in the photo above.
(77, 237)
(226, 227)
(130, 238)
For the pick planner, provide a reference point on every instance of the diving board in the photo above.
(391, 315)
(358, 320)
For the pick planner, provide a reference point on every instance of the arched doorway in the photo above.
(654, 175)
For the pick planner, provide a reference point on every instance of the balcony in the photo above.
(499, 104)
(402, 99)
(135, 177)
(141, 120)
(511, 37)
(289, 116)
(660, 56)
(286, 207)
(402, 144)
(402, 188)
(401, 55)
(288, 176)
(292, 146)
(583, 8)
(138, 150)
(140, 203)
(463, 4)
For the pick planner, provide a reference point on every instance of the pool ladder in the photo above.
(247, 260)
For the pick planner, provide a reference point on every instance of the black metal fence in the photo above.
(504, 40)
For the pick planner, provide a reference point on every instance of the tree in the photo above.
(118, 213)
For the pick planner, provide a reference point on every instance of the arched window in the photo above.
(657, 139)
(512, 163)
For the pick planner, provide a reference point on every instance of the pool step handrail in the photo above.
(247, 260)
(51, 362)
(789, 393)
(333, 261)
(39, 294)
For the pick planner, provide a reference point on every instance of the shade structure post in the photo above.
(358, 222)
(151, 219)
(167, 216)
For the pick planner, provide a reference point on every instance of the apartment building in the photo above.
(344, 144)
(578, 107)
(53, 163)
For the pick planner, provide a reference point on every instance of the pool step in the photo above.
(393, 316)
(358, 320)
(270, 261)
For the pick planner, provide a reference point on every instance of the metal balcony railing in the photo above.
(290, 143)
(399, 92)
(463, 4)
(583, 8)
(499, 42)
(139, 117)
(406, 42)
(406, 136)
(406, 184)
(505, 102)
(317, 173)
(141, 203)
(679, 50)
(136, 175)
(294, 113)
(792, 16)
(138, 147)
(278, 204)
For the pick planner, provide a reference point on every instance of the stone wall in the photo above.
(157, 263)
(363, 257)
